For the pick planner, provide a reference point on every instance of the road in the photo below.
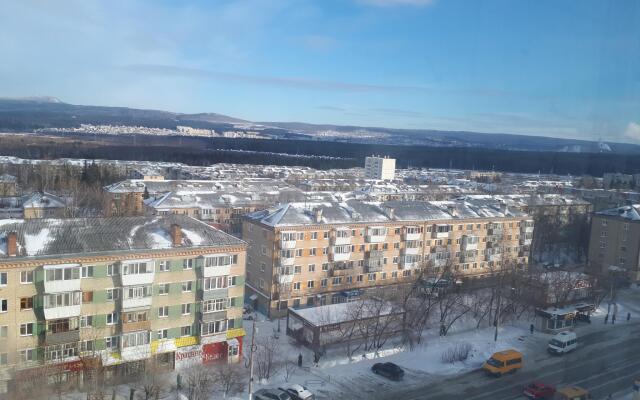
(606, 362)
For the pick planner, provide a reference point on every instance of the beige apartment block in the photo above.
(614, 244)
(117, 292)
(306, 254)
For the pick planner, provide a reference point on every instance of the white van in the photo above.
(563, 342)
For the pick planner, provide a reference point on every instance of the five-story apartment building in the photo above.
(117, 292)
(303, 254)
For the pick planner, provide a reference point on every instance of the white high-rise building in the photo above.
(383, 168)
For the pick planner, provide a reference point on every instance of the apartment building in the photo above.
(382, 168)
(614, 243)
(305, 254)
(222, 210)
(116, 292)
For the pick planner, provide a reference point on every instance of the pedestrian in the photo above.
(316, 358)
(299, 359)
(628, 316)
(606, 319)
(531, 328)
(613, 319)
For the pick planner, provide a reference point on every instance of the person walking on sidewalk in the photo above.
(531, 328)
(628, 316)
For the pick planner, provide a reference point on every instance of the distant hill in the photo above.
(29, 114)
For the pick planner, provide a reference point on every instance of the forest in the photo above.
(205, 151)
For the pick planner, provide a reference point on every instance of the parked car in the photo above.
(539, 390)
(573, 393)
(271, 394)
(389, 370)
(298, 392)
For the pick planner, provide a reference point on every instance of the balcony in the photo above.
(337, 257)
(62, 278)
(468, 259)
(214, 316)
(213, 294)
(137, 272)
(136, 326)
(287, 244)
(62, 305)
(409, 262)
(134, 353)
(494, 257)
(376, 235)
(469, 243)
(284, 278)
(411, 251)
(72, 336)
(341, 237)
(219, 270)
(136, 303)
(411, 233)
(525, 242)
(439, 262)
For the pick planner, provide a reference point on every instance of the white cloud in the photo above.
(633, 131)
(391, 3)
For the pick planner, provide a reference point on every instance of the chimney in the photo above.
(503, 208)
(12, 244)
(176, 235)
(452, 210)
(317, 213)
(391, 212)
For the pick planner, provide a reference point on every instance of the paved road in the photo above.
(606, 362)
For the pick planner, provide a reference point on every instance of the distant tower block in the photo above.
(381, 168)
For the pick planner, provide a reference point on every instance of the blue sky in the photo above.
(546, 67)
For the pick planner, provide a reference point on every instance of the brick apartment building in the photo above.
(120, 291)
(303, 254)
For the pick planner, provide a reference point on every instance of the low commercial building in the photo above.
(116, 292)
(307, 254)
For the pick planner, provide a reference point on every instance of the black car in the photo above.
(389, 370)
(271, 394)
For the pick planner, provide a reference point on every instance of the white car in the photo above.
(298, 392)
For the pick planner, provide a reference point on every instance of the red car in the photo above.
(539, 390)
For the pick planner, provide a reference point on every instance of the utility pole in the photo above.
(495, 336)
(253, 337)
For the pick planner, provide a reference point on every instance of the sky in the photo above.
(537, 67)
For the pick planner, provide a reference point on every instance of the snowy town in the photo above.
(157, 280)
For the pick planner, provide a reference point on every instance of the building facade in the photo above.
(303, 254)
(381, 168)
(116, 292)
(614, 243)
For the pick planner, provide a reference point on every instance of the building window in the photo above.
(185, 331)
(87, 297)
(3, 359)
(394, 274)
(297, 269)
(371, 276)
(214, 327)
(4, 329)
(26, 276)
(359, 278)
(312, 268)
(163, 289)
(187, 263)
(337, 281)
(112, 342)
(135, 339)
(312, 251)
(209, 306)
(325, 266)
(262, 267)
(310, 284)
(28, 355)
(163, 334)
(3, 278)
(112, 318)
(261, 283)
(186, 309)
(113, 269)
(26, 303)
(4, 306)
(26, 329)
(113, 294)
(187, 286)
(314, 235)
(296, 286)
(323, 282)
(163, 312)
(164, 266)
(86, 321)
(87, 271)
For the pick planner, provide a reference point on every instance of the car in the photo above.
(298, 392)
(389, 370)
(539, 390)
(271, 394)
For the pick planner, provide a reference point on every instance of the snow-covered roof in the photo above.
(344, 312)
(6, 178)
(631, 212)
(43, 200)
(355, 211)
(50, 237)
(202, 200)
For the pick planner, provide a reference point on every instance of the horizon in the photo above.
(373, 63)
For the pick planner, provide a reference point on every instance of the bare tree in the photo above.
(266, 357)
(199, 382)
(230, 379)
